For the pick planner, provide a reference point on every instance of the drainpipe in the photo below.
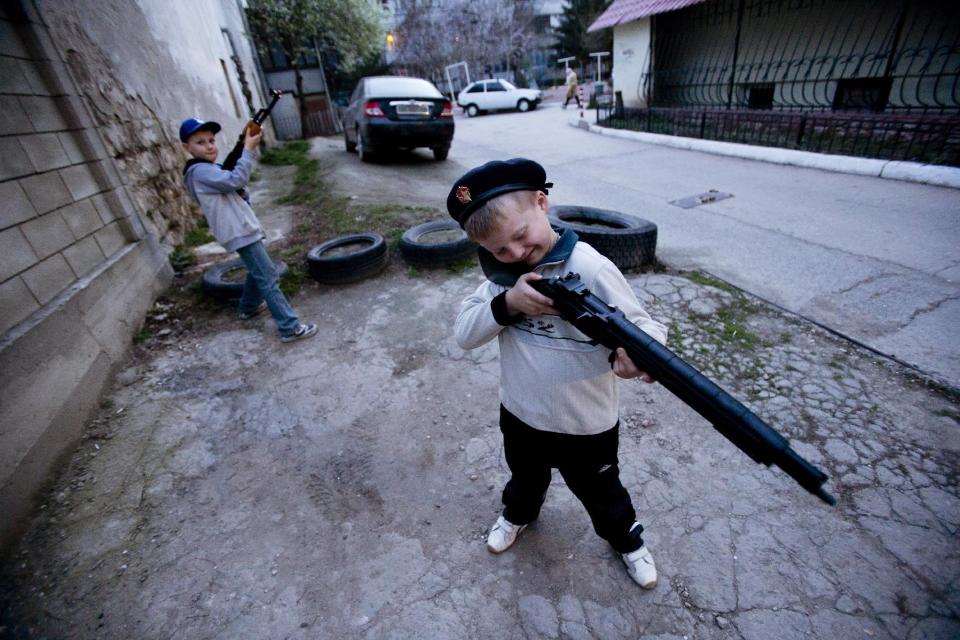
(736, 54)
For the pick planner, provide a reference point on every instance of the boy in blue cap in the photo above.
(226, 206)
(558, 390)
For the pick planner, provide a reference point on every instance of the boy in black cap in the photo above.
(226, 206)
(558, 390)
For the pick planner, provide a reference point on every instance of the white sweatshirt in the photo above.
(552, 376)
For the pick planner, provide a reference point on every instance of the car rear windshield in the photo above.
(401, 88)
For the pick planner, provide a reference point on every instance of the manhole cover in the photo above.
(701, 198)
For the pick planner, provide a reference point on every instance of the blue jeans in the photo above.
(263, 283)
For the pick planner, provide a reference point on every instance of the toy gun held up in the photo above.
(611, 328)
(253, 127)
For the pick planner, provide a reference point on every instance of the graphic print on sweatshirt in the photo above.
(552, 332)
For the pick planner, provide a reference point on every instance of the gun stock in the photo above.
(253, 125)
(609, 327)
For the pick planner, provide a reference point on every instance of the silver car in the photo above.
(491, 95)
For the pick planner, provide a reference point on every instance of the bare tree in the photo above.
(484, 33)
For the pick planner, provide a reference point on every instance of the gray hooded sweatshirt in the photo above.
(232, 221)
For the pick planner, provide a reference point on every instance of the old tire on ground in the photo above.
(628, 241)
(348, 258)
(224, 281)
(436, 243)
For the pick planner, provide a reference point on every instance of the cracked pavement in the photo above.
(235, 487)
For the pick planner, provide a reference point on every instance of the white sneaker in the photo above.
(301, 332)
(640, 567)
(503, 534)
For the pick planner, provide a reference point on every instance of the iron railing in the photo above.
(877, 78)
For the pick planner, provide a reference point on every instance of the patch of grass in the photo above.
(197, 236)
(254, 177)
(458, 267)
(700, 278)
(141, 336)
(181, 258)
(292, 281)
(733, 328)
(289, 153)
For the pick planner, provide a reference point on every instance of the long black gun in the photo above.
(610, 327)
(253, 126)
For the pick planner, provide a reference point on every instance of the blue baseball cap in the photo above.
(191, 125)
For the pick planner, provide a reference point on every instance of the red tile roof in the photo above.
(626, 10)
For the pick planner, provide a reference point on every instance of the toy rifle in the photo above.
(253, 126)
(608, 326)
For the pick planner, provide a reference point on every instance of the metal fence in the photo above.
(877, 78)
(316, 123)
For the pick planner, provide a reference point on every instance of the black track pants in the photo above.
(588, 465)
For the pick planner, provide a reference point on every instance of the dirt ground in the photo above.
(234, 487)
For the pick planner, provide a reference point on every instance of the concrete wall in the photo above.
(92, 93)
(631, 61)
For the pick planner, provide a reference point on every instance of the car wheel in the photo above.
(362, 150)
(628, 241)
(441, 153)
(472, 110)
(351, 146)
(348, 258)
(224, 281)
(436, 243)
(523, 105)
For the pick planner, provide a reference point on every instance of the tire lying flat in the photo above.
(224, 281)
(348, 258)
(628, 241)
(436, 243)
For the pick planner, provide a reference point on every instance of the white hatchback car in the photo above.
(489, 95)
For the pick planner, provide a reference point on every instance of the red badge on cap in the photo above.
(463, 194)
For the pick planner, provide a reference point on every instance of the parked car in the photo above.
(489, 95)
(396, 112)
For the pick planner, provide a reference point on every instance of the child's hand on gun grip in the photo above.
(252, 138)
(624, 367)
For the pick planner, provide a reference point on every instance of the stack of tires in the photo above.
(628, 241)
(224, 281)
(348, 258)
(436, 243)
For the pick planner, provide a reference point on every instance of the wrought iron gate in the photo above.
(878, 78)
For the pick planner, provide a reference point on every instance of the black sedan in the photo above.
(396, 112)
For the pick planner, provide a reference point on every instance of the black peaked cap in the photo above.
(492, 179)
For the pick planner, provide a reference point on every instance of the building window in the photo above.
(759, 96)
(862, 94)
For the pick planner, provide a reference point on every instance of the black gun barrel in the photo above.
(609, 327)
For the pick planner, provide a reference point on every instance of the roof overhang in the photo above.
(628, 10)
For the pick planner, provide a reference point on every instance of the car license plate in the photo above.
(413, 108)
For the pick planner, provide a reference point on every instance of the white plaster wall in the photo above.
(190, 33)
(631, 59)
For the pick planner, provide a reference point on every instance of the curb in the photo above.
(937, 175)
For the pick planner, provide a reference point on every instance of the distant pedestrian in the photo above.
(559, 400)
(573, 89)
(226, 206)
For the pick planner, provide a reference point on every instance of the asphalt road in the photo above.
(876, 260)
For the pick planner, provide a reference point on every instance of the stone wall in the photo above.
(92, 93)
